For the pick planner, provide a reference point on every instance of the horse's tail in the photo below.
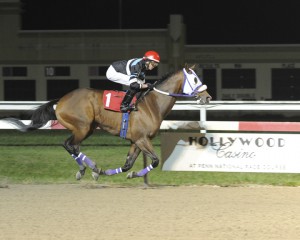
(39, 117)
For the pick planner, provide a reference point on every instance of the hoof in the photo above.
(80, 174)
(95, 176)
(96, 173)
(132, 175)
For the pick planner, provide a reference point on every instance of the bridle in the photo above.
(190, 88)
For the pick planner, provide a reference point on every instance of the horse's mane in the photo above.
(157, 83)
(164, 78)
(169, 74)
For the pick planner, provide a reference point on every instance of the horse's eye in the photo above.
(195, 80)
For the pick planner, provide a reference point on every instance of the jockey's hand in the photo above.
(150, 86)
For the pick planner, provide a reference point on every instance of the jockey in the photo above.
(132, 73)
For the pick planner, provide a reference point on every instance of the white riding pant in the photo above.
(117, 77)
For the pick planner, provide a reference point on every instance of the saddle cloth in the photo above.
(112, 99)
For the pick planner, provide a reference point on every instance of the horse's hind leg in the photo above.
(74, 151)
(72, 145)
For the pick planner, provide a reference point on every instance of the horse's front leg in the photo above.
(131, 157)
(146, 147)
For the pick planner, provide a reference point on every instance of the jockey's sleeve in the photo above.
(137, 69)
(120, 66)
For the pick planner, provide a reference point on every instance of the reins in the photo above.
(145, 93)
(193, 94)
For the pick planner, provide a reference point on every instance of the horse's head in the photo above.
(184, 83)
(194, 86)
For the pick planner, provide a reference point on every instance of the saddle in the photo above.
(112, 99)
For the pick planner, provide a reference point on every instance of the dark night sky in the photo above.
(207, 21)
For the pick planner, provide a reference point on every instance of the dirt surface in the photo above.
(96, 212)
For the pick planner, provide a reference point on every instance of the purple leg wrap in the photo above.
(86, 160)
(113, 171)
(81, 158)
(144, 171)
(79, 162)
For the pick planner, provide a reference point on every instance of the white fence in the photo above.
(184, 105)
(202, 124)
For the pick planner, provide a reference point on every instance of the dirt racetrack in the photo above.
(95, 212)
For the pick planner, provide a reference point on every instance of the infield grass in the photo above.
(39, 158)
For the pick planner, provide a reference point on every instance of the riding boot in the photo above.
(125, 105)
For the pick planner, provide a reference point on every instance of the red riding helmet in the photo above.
(152, 55)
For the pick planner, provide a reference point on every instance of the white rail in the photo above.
(185, 105)
(202, 124)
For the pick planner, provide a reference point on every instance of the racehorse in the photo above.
(82, 111)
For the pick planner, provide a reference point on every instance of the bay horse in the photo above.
(82, 111)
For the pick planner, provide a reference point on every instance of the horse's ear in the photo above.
(193, 66)
(187, 67)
